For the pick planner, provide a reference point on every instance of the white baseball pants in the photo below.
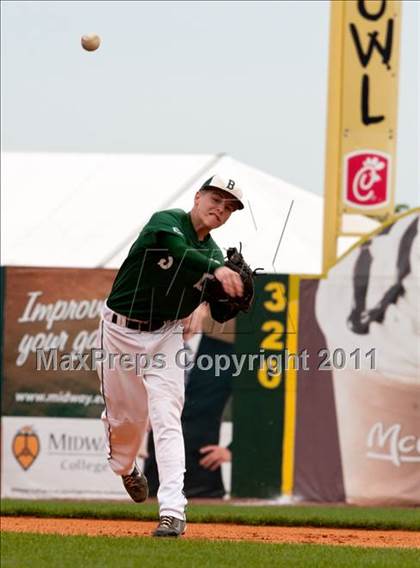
(133, 395)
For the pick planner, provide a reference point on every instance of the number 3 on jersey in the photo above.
(166, 263)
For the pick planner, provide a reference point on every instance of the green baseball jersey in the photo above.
(152, 283)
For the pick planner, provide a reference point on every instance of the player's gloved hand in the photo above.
(230, 289)
(230, 280)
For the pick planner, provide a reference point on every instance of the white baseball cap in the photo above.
(226, 185)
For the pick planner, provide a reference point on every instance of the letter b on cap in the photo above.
(231, 184)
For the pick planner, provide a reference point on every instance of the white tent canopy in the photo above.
(85, 210)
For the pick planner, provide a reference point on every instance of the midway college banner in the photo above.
(55, 311)
(47, 458)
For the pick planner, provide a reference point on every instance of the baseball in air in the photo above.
(91, 42)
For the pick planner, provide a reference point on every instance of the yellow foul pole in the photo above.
(362, 115)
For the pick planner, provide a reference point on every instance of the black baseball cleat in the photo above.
(136, 485)
(170, 526)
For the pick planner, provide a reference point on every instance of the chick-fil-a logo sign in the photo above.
(367, 179)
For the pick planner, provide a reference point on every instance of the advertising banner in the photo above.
(370, 80)
(49, 328)
(369, 105)
(47, 458)
(358, 415)
(49, 382)
(362, 117)
(318, 473)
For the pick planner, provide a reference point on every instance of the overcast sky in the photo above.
(245, 78)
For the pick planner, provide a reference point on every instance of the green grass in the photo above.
(315, 516)
(20, 550)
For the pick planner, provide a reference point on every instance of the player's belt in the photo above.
(136, 324)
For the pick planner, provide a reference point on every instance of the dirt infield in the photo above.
(301, 535)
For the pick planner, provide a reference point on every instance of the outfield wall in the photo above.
(328, 411)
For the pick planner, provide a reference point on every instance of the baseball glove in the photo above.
(222, 306)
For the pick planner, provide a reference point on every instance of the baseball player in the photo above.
(159, 284)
